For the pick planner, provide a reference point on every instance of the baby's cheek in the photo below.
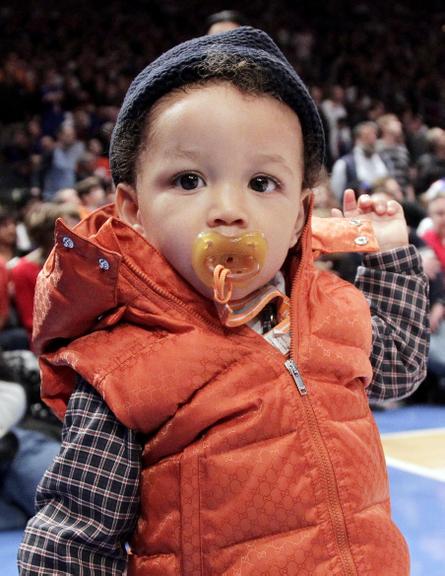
(278, 251)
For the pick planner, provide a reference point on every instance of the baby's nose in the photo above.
(228, 209)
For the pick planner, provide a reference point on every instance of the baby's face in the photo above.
(217, 160)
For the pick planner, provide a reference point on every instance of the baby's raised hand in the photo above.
(386, 216)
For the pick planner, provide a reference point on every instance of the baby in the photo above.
(213, 382)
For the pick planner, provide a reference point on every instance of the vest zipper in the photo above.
(295, 373)
(334, 504)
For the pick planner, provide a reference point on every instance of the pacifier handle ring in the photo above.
(222, 292)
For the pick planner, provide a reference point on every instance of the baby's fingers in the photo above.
(349, 202)
(365, 204)
(378, 205)
(393, 208)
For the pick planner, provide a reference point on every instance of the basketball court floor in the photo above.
(414, 442)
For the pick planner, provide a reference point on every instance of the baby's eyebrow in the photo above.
(272, 158)
(188, 154)
(257, 158)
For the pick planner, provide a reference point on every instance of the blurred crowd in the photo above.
(375, 71)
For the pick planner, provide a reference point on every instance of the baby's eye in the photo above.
(263, 184)
(189, 181)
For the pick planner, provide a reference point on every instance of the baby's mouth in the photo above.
(242, 267)
(241, 257)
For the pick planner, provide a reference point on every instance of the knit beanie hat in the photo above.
(181, 65)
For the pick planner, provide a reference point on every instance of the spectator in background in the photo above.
(344, 137)
(12, 335)
(416, 135)
(394, 153)
(317, 95)
(86, 166)
(8, 235)
(4, 295)
(12, 409)
(362, 167)
(22, 205)
(62, 161)
(431, 165)
(102, 163)
(40, 222)
(52, 95)
(436, 357)
(334, 109)
(435, 236)
(91, 195)
(17, 156)
(25, 453)
(67, 196)
(224, 21)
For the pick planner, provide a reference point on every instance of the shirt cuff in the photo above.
(403, 259)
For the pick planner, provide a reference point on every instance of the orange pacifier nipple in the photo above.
(223, 261)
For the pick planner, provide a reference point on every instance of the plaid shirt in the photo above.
(397, 291)
(88, 500)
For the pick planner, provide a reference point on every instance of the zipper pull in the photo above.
(294, 372)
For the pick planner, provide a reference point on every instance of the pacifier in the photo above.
(222, 261)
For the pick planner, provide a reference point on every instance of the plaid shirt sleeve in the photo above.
(88, 499)
(397, 291)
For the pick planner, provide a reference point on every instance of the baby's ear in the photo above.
(127, 206)
(301, 218)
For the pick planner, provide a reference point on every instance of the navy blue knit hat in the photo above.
(181, 65)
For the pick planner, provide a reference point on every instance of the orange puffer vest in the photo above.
(249, 467)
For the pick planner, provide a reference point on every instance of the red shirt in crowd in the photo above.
(24, 277)
(432, 238)
(4, 294)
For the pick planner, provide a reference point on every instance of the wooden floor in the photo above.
(414, 441)
(421, 452)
